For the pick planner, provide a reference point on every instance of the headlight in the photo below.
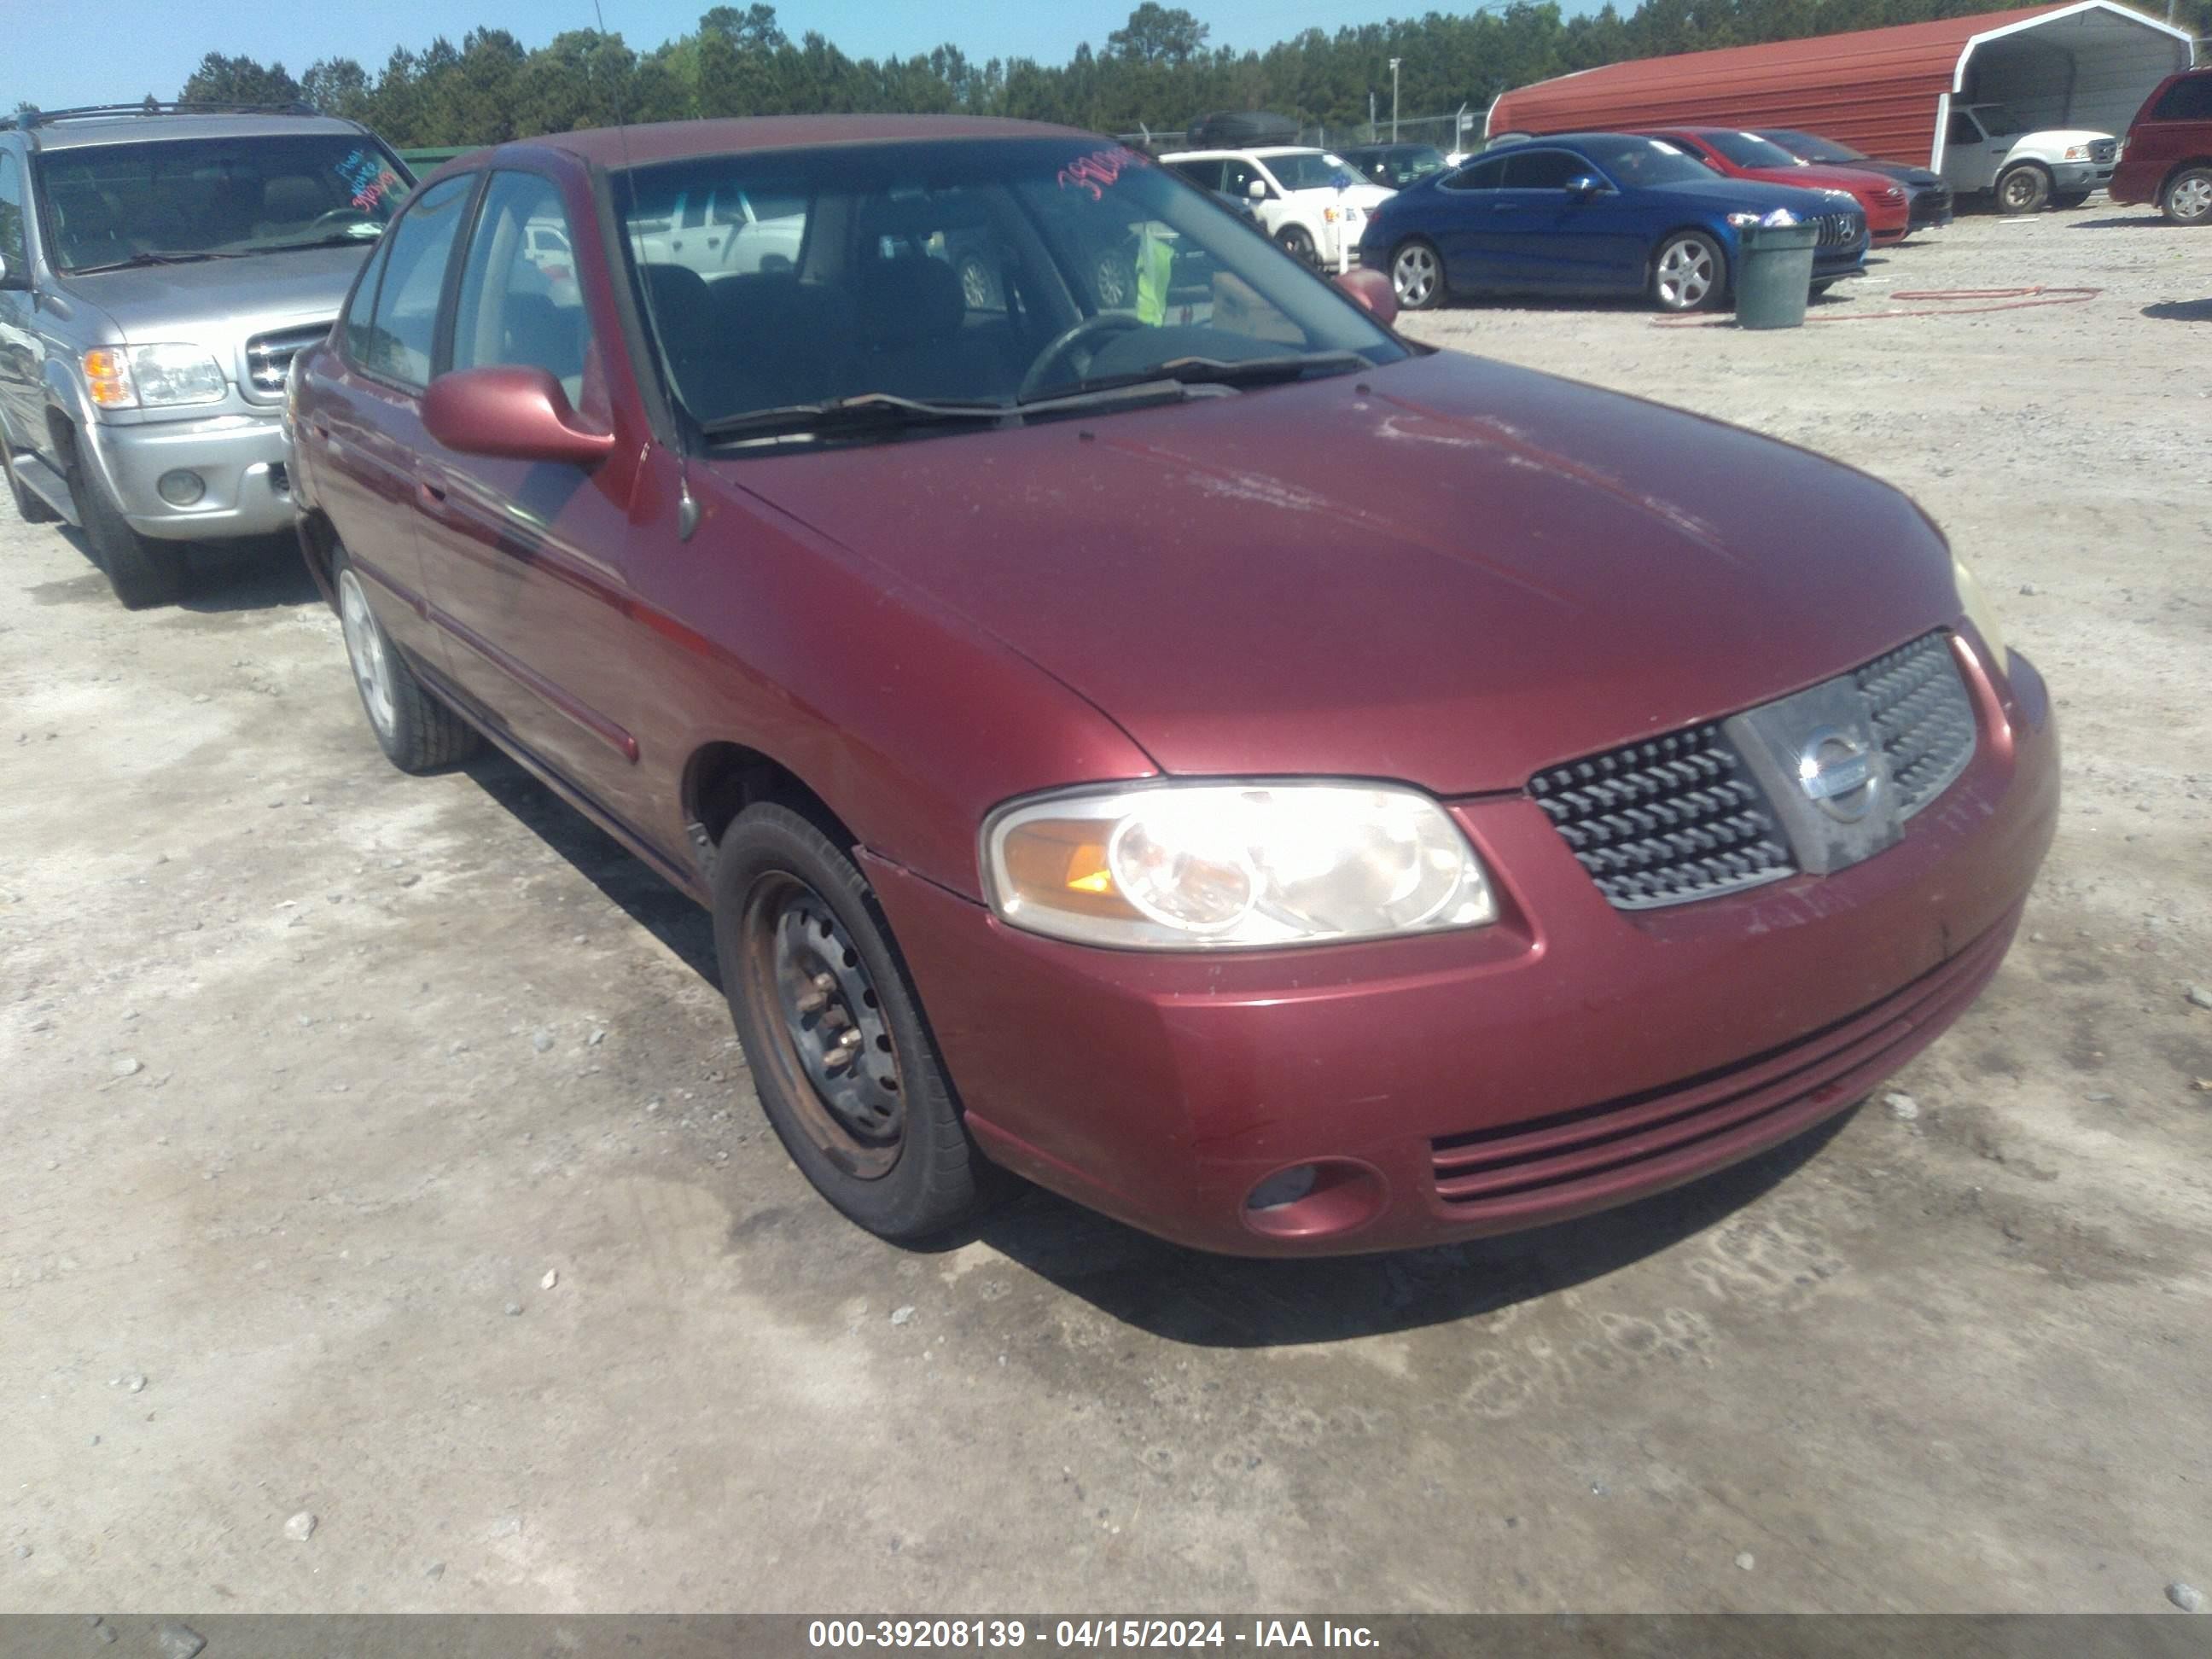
(1743, 221)
(153, 376)
(1233, 866)
(1976, 605)
(2077, 152)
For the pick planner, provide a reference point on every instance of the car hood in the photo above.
(1820, 175)
(1448, 571)
(2057, 139)
(218, 301)
(1728, 194)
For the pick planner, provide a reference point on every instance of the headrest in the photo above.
(293, 197)
(913, 300)
(676, 291)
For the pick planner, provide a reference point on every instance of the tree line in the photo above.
(1157, 72)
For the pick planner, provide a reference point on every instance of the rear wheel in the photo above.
(1417, 275)
(1295, 241)
(2187, 198)
(1114, 281)
(1689, 273)
(2066, 200)
(28, 503)
(143, 571)
(2025, 189)
(845, 1069)
(417, 732)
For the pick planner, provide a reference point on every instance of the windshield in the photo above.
(1808, 148)
(1310, 170)
(1748, 150)
(1631, 162)
(1997, 121)
(967, 272)
(196, 199)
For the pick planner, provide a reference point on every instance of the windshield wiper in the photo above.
(137, 259)
(341, 239)
(1215, 371)
(867, 412)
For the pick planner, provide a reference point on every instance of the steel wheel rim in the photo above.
(365, 650)
(815, 1002)
(2018, 190)
(1686, 274)
(2192, 198)
(1415, 277)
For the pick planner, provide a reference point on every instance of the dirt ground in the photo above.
(377, 1148)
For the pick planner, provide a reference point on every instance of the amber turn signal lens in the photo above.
(107, 379)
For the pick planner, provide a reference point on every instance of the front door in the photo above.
(1556, 242)
(22, 356)
(525, 558)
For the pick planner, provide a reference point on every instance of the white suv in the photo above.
(1312, 203)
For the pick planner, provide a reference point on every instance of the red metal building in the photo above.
(1888, 91)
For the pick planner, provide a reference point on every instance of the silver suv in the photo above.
(159, 264)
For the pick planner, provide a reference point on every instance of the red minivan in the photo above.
(2169, 155)
(1285, 786)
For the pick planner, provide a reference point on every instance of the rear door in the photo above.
(362, 425)
(526, 558)
(2179, 126)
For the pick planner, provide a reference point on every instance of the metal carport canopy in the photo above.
(2087, 65)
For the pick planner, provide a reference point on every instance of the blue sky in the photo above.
(99, 51)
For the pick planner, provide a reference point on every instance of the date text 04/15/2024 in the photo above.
(1083, 1634)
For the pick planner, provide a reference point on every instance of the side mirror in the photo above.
(1257, 190)
(514, 412)
(1371, 291)
(1584, 186)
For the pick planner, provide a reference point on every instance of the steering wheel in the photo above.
(1064, 344)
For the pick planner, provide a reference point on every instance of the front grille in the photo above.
(1921, 718)
(269, 356)
(1666, 821)
(1681, 818)
(1837, 230)
(2103, 149)
(1612, 1151)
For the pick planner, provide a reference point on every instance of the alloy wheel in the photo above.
(1413, 274)
(2191, 198)
(366, 651)
(825, 1022)
(1686, 274)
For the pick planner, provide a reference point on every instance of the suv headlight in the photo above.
(1976, 603)
(153, 376)
(2077, 152)
(1173, 865)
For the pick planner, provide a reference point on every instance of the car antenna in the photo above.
(687, 509)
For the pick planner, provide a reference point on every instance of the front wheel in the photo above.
(2023, 190)
(1417, 275)
(844, 1065)
(1689, 273)
(1295, 240)
(143, 571)
(2187, 198)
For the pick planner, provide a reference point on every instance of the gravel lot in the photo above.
(377, 1151)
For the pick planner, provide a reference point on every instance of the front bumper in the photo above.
(1569, 1057)
(240, 458)
(1930, 208)
(2069, 177)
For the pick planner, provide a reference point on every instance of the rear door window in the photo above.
(360, 310)
(406, 325)
(2186, 101)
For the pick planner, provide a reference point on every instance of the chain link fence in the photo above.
(1459, 130)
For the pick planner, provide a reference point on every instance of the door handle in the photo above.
(432, 495)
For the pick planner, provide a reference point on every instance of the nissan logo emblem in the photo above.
(1836, 771)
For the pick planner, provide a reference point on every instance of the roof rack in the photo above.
(31, 120)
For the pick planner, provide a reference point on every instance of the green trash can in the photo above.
(1775, 278)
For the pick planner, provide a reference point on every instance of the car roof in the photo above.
(671, 141)
(91, 132)
(1260, 152)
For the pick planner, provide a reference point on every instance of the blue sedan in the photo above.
(1592, 214)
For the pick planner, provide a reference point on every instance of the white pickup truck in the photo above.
(1989, 150)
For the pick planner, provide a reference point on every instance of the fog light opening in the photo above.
(1315, 1201)
(182, 487)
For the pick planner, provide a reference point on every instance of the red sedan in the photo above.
(1738, 154)
(1289, 788)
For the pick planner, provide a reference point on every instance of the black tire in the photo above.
(2023, 189)
(2067, 200)
(143, 571)
(28, 503)
(1417, 275)
(1689, 273)
(789, 907)
(1818, 289)
(2186, 198)
(414, 730)
(1294, 240)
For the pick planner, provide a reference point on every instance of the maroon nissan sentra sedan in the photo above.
(1138, 722)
